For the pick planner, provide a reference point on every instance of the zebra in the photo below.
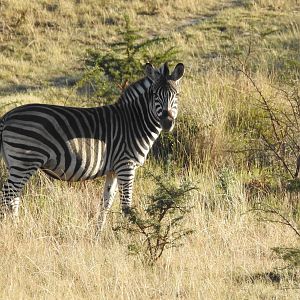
(75, 144)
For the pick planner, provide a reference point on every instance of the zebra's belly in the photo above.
(86, 160)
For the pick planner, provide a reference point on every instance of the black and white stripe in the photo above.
(74, 144)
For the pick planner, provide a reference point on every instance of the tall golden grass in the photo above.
(51, 252)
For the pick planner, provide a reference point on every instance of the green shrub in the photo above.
(161, 225)
(290, 255)
(110, 70)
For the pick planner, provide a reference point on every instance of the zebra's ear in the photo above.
(164, 70)
(151, 72)
(178, 72)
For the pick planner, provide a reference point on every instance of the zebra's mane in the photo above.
(139, 87)
(135, 90)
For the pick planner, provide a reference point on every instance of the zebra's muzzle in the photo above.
(167, 121)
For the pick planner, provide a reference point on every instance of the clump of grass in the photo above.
(267, 213)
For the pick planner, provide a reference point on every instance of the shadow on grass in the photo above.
(17, 89)
(268, 277)
(59, 82)
(286, 278)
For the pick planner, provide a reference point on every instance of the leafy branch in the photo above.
(161, 225)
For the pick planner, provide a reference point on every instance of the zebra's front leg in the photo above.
(109, 192)
(125, 183)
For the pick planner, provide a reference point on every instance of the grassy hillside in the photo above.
(236, 139)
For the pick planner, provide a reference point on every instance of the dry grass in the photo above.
(51, 253)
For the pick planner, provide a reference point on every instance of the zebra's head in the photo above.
(165, 88)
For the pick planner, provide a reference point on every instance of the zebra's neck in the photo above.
(142, 125)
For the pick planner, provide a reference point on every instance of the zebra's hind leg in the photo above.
(11, 190)
(109, 192)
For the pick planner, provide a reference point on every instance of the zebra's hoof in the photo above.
(4, 212)
(130, 214)
(127, 211)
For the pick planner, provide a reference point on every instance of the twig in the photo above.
(285, 220)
